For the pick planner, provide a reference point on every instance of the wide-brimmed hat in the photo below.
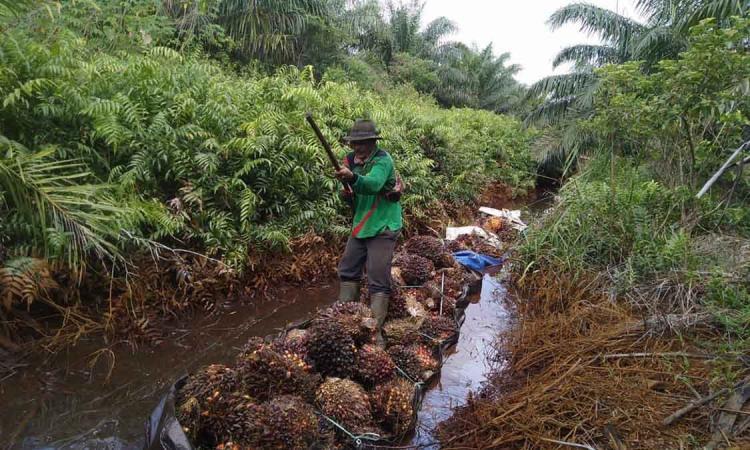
(363, 130)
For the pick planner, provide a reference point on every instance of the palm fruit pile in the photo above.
(416, 360)
(331, 349)
(347, 403)
(407, 361)
(425, 357)
(296, 390)
(205, 398)
(292, 423)
(415, 270)
(438, 328)
(374, 366)
(355, 318)
(402, 331)
(264, 372)
(427, 247)
(474, 243)
(393, 405)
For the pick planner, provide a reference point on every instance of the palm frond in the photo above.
(718, 9)
(436, 31)
(595, 55)
(52, 196)
(551, 112)
(608, 25)
(660, 11)
(14, 7)
(561, 85)
(267, 28)
(657, 43)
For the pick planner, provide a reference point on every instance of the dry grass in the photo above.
(582, 371)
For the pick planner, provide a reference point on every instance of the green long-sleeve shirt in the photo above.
(373, 213)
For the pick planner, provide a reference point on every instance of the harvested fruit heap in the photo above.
(347, 403)
(303, 388)
(430, 248)
(475, 243)
(415, 270)
(332, 349)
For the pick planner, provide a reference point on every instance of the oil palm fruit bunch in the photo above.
(418, 302)
(356, 318)
(397, 305)
(246, 424)
(406, 360)
(347, 403)
(331, 349)
(293, 345)
(264, 372)
(446, 283)
(496, 224)
(425, 246)
(393, 405)
(439, 328)
(425, 358)
(431, 248)
(292, 423)
(204, 400)
(474, 243)
(402, 331)
(433, 302)
(415, 270)
(447, 261)
(374, 366)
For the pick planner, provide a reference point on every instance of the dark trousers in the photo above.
(376, 254)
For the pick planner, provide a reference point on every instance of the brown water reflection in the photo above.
(465, 368)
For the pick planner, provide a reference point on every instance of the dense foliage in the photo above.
(105, 149)
(633, 214)
(562, 101)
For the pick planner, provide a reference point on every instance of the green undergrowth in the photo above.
(149, 143)
(632, 217)
(656, 247)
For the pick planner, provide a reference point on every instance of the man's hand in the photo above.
(344, 174)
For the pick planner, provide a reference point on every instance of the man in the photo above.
(373, 189)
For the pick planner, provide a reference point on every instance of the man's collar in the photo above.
(369, 157)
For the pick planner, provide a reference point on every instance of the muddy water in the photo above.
(465, 368)
(70, 405)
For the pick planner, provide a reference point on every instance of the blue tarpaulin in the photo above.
(476, 261)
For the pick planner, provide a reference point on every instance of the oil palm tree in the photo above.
(269, 30)
(569, 97)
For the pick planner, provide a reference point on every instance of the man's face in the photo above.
(362, 147)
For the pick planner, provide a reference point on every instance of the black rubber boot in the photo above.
(379, 306)
(348, 291)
